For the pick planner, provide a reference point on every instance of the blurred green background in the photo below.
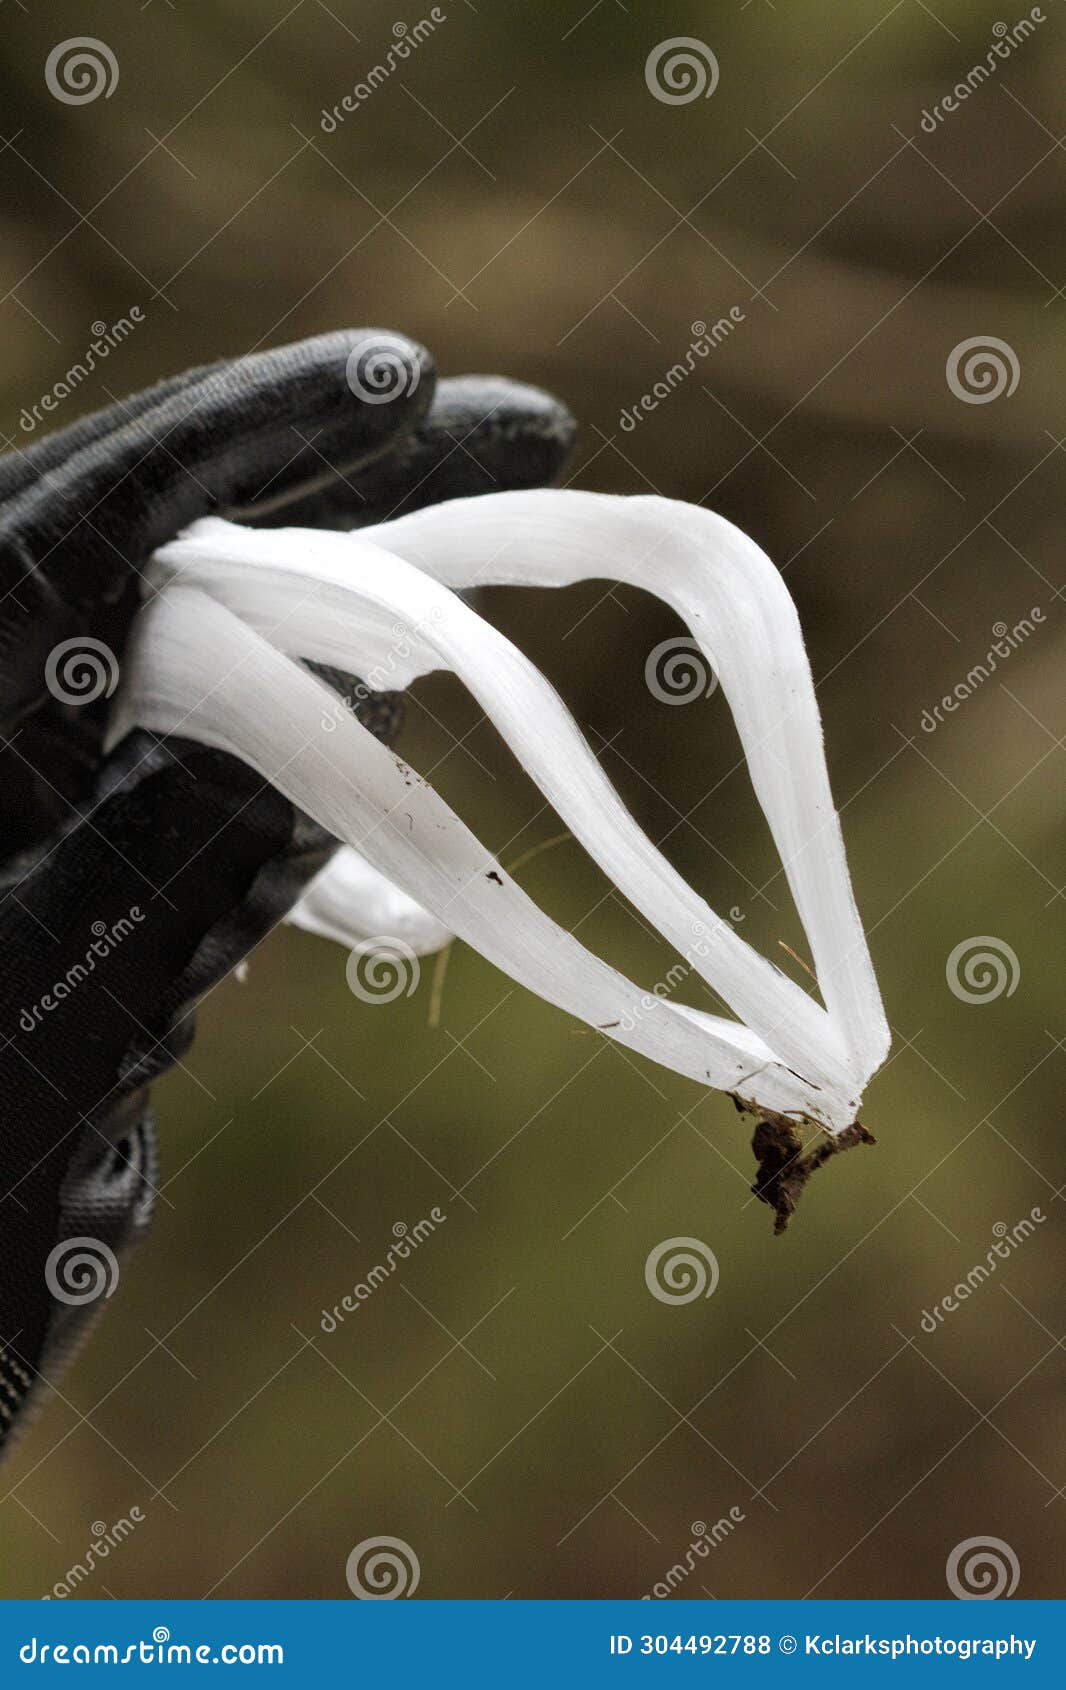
(514, 1405)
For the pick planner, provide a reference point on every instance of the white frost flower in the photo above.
(216, 655)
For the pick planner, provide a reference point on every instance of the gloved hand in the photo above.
(129, 885)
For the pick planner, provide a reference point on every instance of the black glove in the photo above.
(129, 885)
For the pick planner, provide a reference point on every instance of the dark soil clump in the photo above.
(783, 1167)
